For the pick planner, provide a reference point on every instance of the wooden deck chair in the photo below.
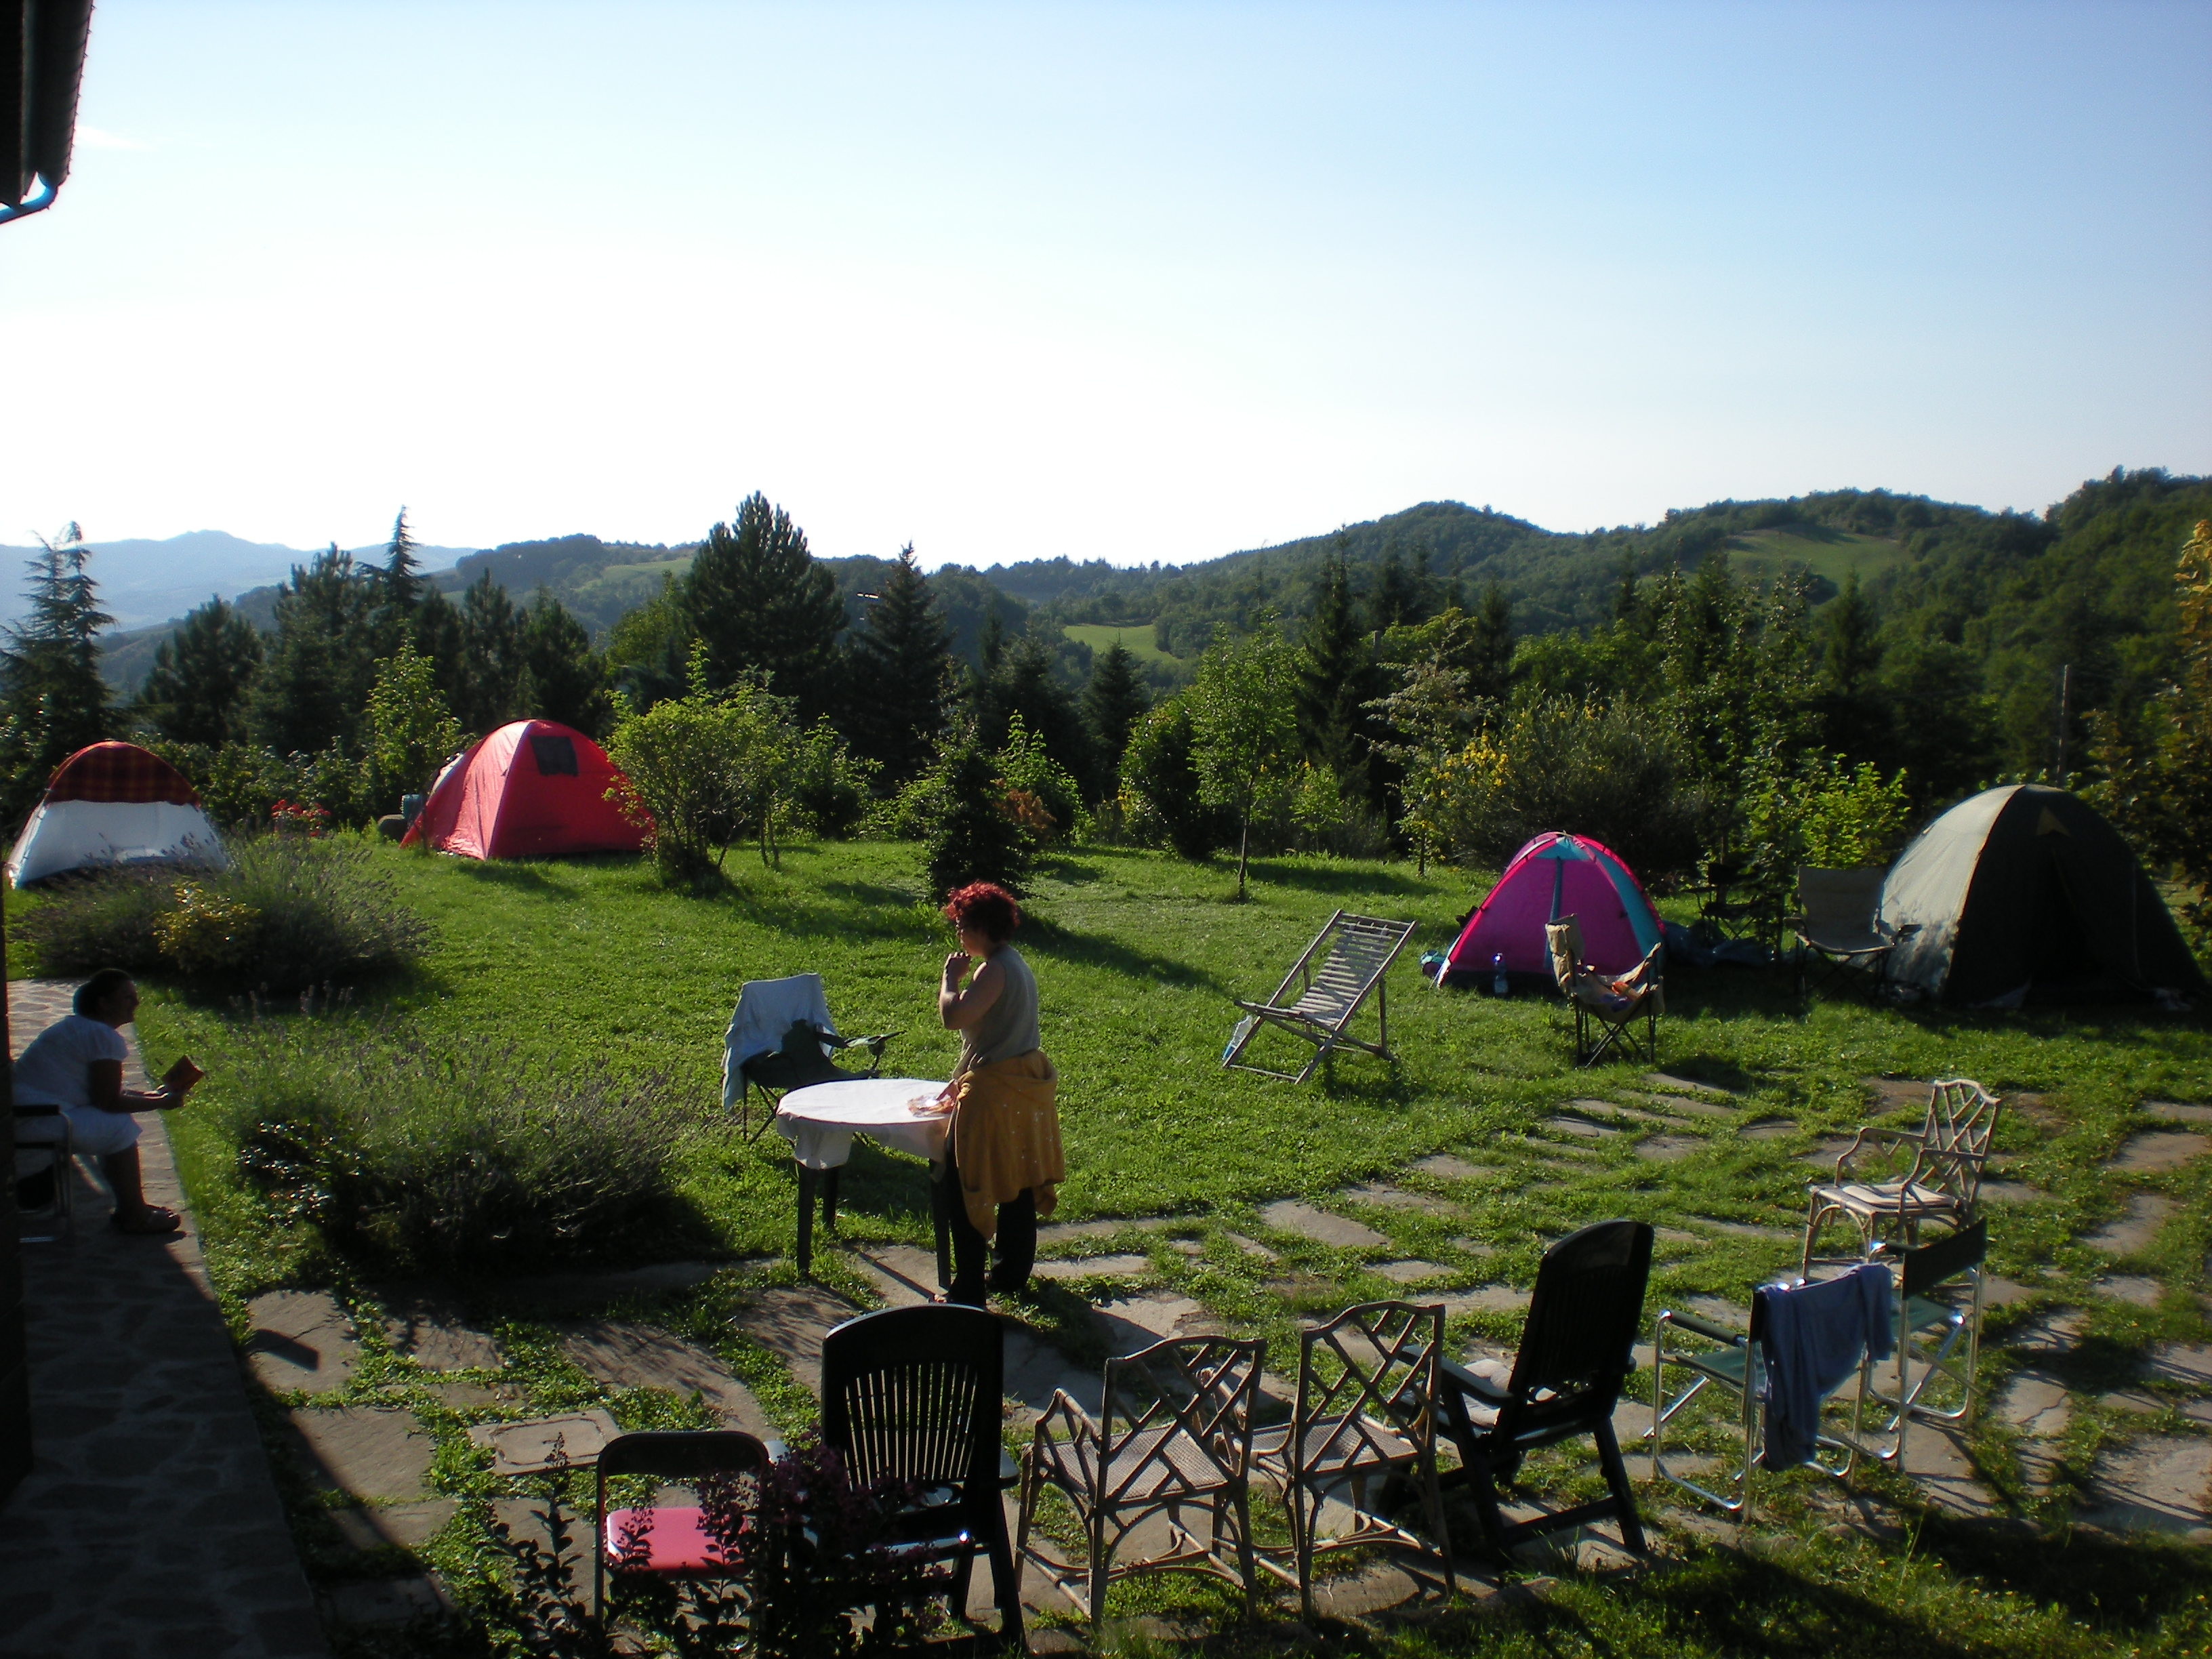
(1608, 1008)
(1345, 961)
(1836, 925)
(1887, 1181)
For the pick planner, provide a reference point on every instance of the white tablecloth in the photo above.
(821, 1121)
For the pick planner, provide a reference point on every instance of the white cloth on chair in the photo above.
(765, 1011)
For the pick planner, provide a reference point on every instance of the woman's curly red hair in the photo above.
(986, 907)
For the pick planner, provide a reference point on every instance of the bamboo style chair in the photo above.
(1366, 1411)
(673, 1542)
(1888, 1182)
(1174, 1432)
(1838, 924)
(1577, 1353)
(1347, 960)
(1607, 1009)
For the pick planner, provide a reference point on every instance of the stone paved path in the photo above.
(149, 1525)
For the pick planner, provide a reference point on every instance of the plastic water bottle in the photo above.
(1499, 986)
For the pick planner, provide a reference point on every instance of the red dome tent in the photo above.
(532, 789)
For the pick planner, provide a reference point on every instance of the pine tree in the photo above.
(1489, 654)
(1022, 687)
(403, 586)
(52, 699)
(1853, 716)
(1112, 703)
(491, 648)
(197, 689)
(564, 679)
(1397, 593)
(758, 600)
(316, 673)
(973, 836)
(1335, 679)
(895, 681)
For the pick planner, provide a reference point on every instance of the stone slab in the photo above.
(2156, 1151)
(383, 1602)
(2036, 1405)
(528, 1448)
(1610, 1111)
(2189, 1363)
(1668, 1083)
(1582, 1127)
(2175, 1111)
(1096, 1266)
(2010, 1191)
(302, 1339)
(624, 1355)
(1666, 1149)
(1937, 1462)
(139, 1399)
(371, 1451)
(903, 1274)
(1291, 1215)
(410, 1525)
(1253, 1247)
(1745, 1229)
(436, 1337)
(1824, 1155)
(1689, 1106)
(2132, 1232)
(1768, 1128)
(2157, 1483)
(1383, 1196)
(1486, 1298)
(790, 1322)
(589, 1292)
(1409, 1273)
(2137, 1290)
(1443, 1166)
(1056, 1232)
(1129, 1323)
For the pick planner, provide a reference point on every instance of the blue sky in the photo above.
(1131, 282)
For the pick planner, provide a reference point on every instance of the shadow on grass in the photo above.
(522, 877)
(2108, 1582)
(1322, 879)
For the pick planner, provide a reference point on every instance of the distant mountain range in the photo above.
(145, 582)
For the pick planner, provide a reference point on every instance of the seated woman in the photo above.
(76, 1064)
(1003, 1157)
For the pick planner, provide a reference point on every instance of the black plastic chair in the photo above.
(916, 1394)
(1576, 1352)
(675, 1540)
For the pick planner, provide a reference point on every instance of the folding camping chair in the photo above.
(1837, 923)
(1608, 1008)
(1939, 1338)
(1345, 961)
(781, 1039)
(1888, 1182)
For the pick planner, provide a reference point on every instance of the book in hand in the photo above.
(182, 1075)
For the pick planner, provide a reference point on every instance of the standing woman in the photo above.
(1003, 1157)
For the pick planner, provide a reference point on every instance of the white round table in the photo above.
(820, 1121)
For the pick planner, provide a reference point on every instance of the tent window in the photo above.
(556, 757)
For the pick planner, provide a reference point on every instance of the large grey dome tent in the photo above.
(2026, 894)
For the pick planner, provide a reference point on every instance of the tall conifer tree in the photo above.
(52, 699)
(757, 599)
(896, 680)
(316, 673)
(197, 690)
(1112, 703)
(1336, 679)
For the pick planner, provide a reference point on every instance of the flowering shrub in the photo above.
(298, 818)
(207, 932)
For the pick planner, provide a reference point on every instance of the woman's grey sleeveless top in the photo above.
(1009, 1025)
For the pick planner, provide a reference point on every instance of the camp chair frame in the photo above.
(1173, 1432)
(60, 1169)
(1575, 1356)
(1942, 1183)
(689, 1455)
(1938, 1340)
(1598, 1033)
(800, 1064)
(1364, 1411)
(1354, 955)
(1838, 924)
(1735, 1363)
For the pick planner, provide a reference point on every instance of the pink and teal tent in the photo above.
(1555, 875)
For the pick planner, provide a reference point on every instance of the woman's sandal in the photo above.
(152, 1221)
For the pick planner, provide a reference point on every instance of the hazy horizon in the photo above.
(1134, 282)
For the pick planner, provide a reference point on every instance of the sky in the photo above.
(1128, 282)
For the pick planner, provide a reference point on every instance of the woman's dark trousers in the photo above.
(1010, 1256)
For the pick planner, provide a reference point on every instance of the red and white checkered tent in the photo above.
(114, 804)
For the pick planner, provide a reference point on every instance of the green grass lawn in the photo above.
(1137, 956)
(1137, 637)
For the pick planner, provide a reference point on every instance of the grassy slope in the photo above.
(1099, 636)
(1137, 955)
(1833, 554)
